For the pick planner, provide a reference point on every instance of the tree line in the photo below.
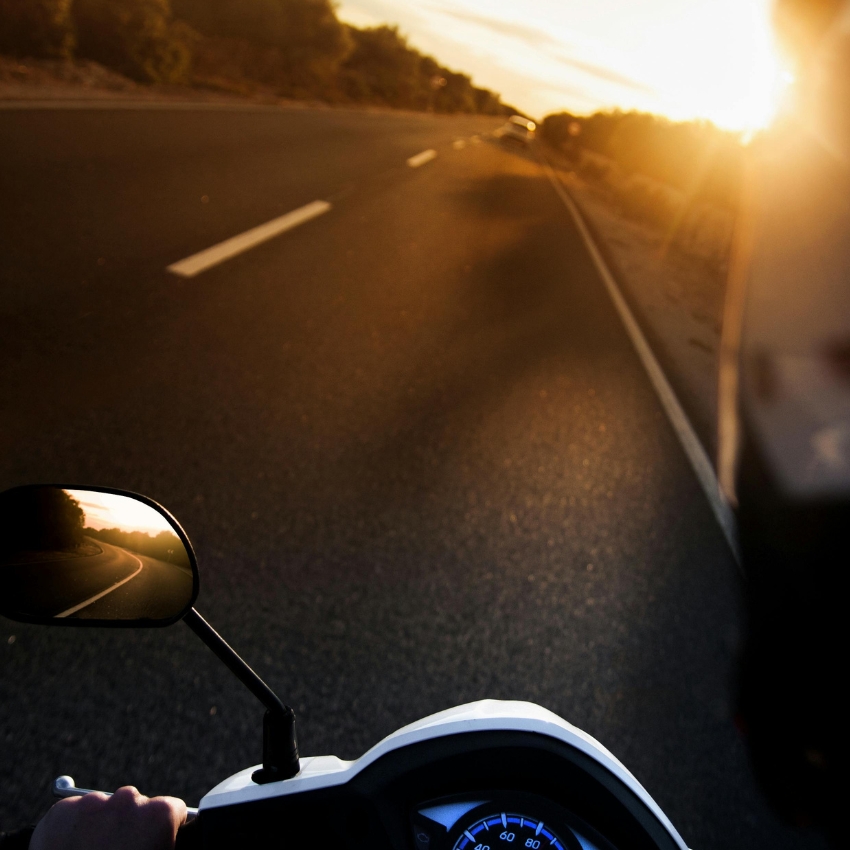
(40, 519)
(683, 179)
(291, 48)
(694, 157)
(164, 546)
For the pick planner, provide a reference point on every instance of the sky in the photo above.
(108, 510)
(713, 59)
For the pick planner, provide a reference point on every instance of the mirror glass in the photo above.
(91, 557)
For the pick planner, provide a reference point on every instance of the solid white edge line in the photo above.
(422, 158)
(101, 594)
(229, 248)
(691, 444)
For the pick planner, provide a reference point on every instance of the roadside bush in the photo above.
(289, 48)
(555, 129)
(236, 65)
(134, 37)
(299, 44)
(486, 102)
(457, 95)
(695, 157)
(382, 68)
(40, 518)
(706, 232)
(38, 28)
(646, 199)
(598, 169)
(164, 546)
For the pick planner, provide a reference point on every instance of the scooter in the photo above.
(490, 775)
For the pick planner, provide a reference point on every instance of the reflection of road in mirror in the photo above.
(89, 555)
(101, 582)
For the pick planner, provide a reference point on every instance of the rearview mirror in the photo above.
(92, 557)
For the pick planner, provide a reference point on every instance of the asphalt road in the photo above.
(410, 440)
(112, 584)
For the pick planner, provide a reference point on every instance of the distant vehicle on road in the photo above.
(517, 129)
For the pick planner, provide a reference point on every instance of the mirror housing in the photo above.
(92, 556)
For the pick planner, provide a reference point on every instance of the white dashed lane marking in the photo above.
(219, 253)
(210, 257)
(422, 158)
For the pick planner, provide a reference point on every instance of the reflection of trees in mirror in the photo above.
(41, 520)
(165, 546)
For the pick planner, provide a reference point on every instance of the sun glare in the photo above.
(720, 61)
(686, 59)
(108, 510)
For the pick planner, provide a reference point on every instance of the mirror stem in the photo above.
(280, 746)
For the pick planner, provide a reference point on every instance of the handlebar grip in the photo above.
(188, 836)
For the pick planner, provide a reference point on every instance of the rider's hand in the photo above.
(125, 821)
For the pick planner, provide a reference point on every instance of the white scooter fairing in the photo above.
(504, 718)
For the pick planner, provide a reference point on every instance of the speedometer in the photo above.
(508, 831)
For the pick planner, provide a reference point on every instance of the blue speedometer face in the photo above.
(508, 831)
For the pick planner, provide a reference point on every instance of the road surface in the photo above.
(110, 584)
(409, 438)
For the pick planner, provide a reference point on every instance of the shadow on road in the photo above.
(527, 308)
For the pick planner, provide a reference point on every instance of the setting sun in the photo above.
(717, 61)
(109, 510)
(708, 59)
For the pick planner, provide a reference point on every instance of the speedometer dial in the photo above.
(507, 831)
